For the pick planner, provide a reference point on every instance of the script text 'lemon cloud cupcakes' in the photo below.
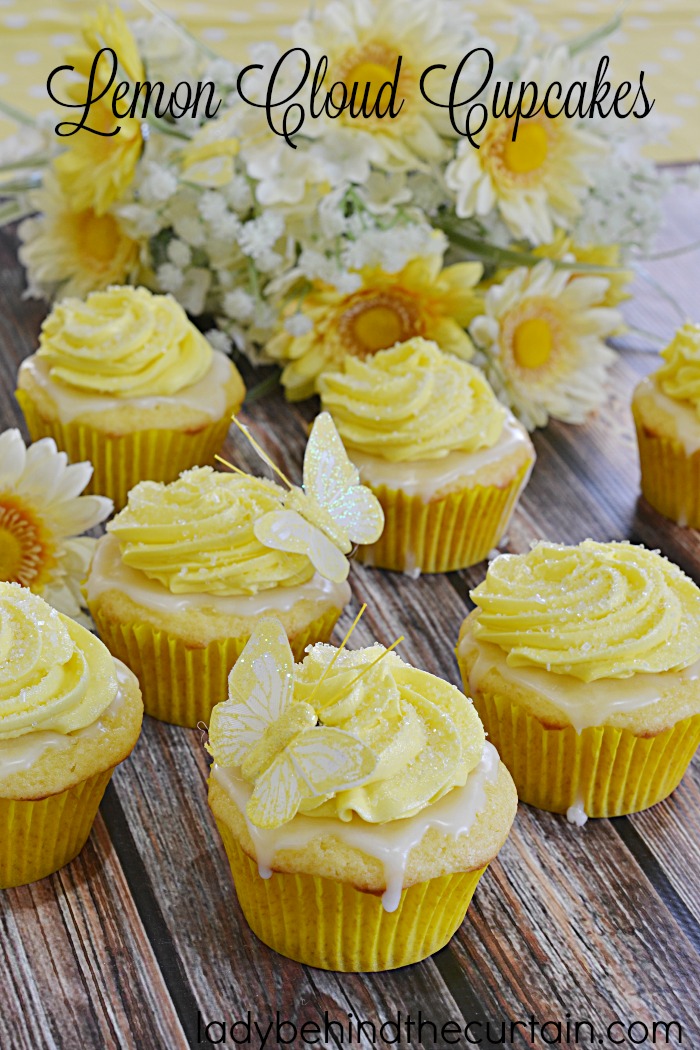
(69, 713)
(584, 664)
(125, 380)
(445, 459)
(358, 801)
(666, 410)
(186, 569)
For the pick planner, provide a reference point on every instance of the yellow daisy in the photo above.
(387, 308)
(41, 517)
(75, 252)
(541, 337)
(95, 171)
(363, 41)
(537, 182)
(563, 247)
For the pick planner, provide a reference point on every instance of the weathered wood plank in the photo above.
(76, 967)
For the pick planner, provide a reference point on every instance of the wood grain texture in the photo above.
(141, 938)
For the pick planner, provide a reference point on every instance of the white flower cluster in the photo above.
(237, 222)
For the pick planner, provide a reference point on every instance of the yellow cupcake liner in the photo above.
(607, 771)
(181, 683)
(39, 837)
(670, 477)
(330, 924)
(121, 461)
(452, 532)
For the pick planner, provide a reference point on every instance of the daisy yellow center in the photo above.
(374, 64)
(378, 322)
(98, 235)
(529, 151)
(23, 554)
(532, 343)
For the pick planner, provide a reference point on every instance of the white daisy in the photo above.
(363, 40)
(537, 182)
(542, 343)
(42, 515)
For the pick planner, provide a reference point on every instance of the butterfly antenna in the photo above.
(236, 470)
(261, 452)
(364, 670)
(337, 653)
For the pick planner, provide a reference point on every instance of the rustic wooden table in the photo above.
(140, 942)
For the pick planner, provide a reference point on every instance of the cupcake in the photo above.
(584, 665)
(69, 713)
(125, 380)
(445, 459)
(358, 801)
(185, 571)
(666, 410)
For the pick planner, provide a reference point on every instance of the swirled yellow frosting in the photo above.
(679, 376)
(597, 610)
(412, 402)
(125, 342)
(424, 732)
(196, 535)
(54, 675)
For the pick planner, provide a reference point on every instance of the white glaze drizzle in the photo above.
(453, 815)
(108, 573)
(427, 476)
(685, 419)
(576, 814)
(584, 704)
(20, 753)
(207, 396)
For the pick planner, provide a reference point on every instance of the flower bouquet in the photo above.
(301, 223)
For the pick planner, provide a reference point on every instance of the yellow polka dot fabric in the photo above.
(662, 37)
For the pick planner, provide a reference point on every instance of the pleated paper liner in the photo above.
(329, 924)
(181, 683)
(608, 771)
(39, 837)
(121, 461)
(453, 532)
(670, 477)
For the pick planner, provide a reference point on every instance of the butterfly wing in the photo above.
(329, 760)
(286, 530)
(334, 482)
(277, 794)
(260, 689)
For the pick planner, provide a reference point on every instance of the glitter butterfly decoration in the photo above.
(329, 513)
(275, 740)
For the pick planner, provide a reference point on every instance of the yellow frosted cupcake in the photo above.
(69, 714)
(666, 410)
(584, 665)
(125, 380)
(358, 801)
(445, 459)
(186, 570)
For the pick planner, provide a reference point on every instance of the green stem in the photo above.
(17, 115)
(165, 127)
(671, 253)
(18, 186)
(582, 43)
(508, 256)
(36, 160)
(263, 388)
(12, 211)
